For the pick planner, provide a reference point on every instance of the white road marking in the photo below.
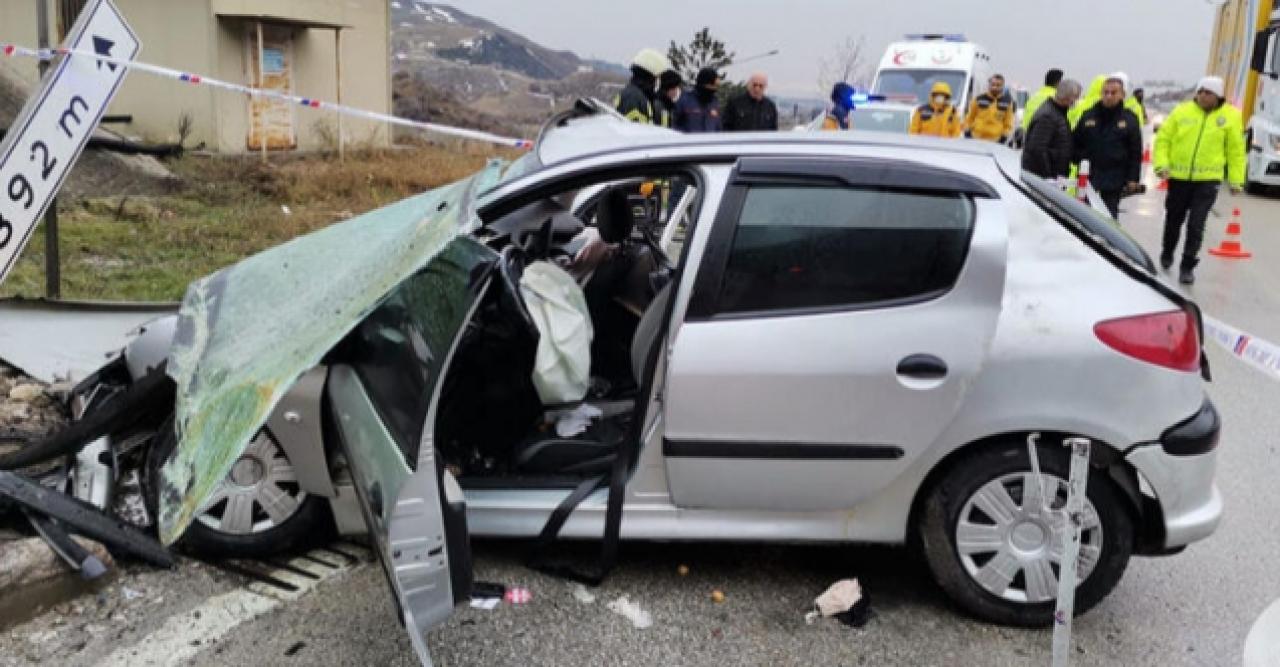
(174, 641)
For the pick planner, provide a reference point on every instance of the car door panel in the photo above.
(383, 390)
(819, 409)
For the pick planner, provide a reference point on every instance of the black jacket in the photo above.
(1111, 140)
(637, 102)
(744, 114)
(1046, 151)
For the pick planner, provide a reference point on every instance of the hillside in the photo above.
(454, 68)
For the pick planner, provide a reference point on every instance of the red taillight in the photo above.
(1164, 339)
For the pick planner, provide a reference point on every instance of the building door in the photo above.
(270, 68)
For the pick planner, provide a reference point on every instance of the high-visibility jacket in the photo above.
(1043, 95)
(833, 120)
(936, 121)
(1195, 145)
(1132, 104)
(991, 117)
(1091, 97)
(638, 107)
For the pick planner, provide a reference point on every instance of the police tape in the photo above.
(309, 102)
(1261, 354)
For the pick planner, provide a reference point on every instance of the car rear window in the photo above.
(1087, 219)
(818, 247)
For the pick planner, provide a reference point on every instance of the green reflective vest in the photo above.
(1195, 145)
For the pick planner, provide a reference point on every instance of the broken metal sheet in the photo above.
(246, 333)
(83, 518)
(52, 340)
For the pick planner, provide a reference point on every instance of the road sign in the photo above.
(48, 136)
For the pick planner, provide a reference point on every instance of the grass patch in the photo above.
(150, 248)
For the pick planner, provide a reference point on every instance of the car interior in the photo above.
(494, 423)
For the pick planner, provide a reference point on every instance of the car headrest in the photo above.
(614, 218)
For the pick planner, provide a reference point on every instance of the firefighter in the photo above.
(938, 118)
(991, 114)
(638, 101)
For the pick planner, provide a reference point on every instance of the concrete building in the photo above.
(288, 45)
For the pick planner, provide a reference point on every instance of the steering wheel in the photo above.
(511, 263)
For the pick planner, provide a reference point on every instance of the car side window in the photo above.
(823, 247)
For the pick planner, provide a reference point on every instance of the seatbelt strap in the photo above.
(617, 480)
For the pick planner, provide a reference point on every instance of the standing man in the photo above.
(638, 101)
(1051, 80)
(841, 105)
(1140, 96)
(991, 114)
(1200, 142)
(669, 93)
(1109, 136)
(751, 111)
(937, 118)
(700, 112)
(1047, 152)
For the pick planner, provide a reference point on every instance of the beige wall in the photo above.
(173, 35)
(18, 26)
(187, 35)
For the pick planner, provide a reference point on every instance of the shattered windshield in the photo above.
(246, 333)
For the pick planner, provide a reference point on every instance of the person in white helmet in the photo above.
(638, 101)
(1200, 145)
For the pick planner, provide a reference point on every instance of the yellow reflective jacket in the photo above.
(1195, 145)
(1033, 104)
(927, 120)
(990, 117)
(934, 121)
(1091, 97)
(1132, 104)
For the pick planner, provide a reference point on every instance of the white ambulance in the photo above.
(909, 69)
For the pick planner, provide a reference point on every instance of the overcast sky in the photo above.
(1150, 39)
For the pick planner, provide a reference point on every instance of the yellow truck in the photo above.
(1245, 53)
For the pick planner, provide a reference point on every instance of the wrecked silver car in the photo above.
(631, 333)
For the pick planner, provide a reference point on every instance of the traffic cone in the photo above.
(1163, 186)
(1230, 246)
(1146, 155)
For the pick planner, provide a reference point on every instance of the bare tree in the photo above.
(849, 62)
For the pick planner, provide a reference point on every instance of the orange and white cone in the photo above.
(1231, 247)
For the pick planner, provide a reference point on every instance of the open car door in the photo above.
(383, 386)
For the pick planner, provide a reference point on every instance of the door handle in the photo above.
(923, 366)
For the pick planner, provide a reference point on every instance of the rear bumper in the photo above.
(1179, 471)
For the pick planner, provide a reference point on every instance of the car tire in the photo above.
(968, 485)
(309, 524)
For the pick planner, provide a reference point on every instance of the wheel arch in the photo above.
(1108, 458)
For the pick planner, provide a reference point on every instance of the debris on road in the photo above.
(486, 595)
(846, 601)
(581, 594)
(518, 595)
(631, 611)
(83, 518)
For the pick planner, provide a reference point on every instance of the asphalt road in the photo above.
(1191, 609)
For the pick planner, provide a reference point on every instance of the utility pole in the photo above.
(52, 263)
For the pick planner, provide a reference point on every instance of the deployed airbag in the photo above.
(562, 365)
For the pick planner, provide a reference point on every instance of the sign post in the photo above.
(55, 124)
